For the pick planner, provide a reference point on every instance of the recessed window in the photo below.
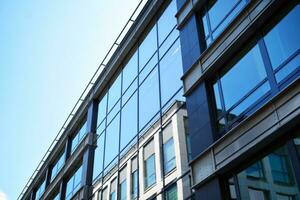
(283, 45)
(113, 190)
(168, 149)
(123, 184)
(74, 183)
(40, 190)
(77, 138)
(58, 165)
(149, 165)
(217, 15)
(171, 193)
(134, 179)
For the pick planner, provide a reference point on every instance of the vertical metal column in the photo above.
(88, 156)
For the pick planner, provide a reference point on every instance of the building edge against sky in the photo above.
(204, 105)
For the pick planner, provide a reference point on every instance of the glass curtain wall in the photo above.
(147, 85)
(274, 61)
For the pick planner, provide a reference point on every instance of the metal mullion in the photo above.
(268, 66)
(237, 187)
(247, 95)
(162, 43)
(208, 23)
(160, 132)
(159, 59)
(104, 131)
(224, 114)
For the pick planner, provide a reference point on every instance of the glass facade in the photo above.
(74, 183)
(77, 138)
(40, 190)
(217, 15)
(233, 105)
(147, 85)
(272, 177)
(57, 166)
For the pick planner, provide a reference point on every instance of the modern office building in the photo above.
(200, 99)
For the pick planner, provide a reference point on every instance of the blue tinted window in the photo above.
(171, 193)
(150, 177)
(123, 190)
(220, 13)
(57, 166)
(252, 65)
(280, 169)
(73, 184)
(114, 93)
(112, 140)
(147, 47)
(134, 184)
(169, 156)
(255, 170)
(130, 71)
(78, 137)
(148, 67)
(102, 109)
(40, 190)
(98, 160)
(129, 121)
(149, 99)
(283, 42)
(170, 73)
(167, 22)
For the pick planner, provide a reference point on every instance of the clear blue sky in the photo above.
(48, 52)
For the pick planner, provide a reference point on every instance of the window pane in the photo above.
(148, 68)
(278, 179)
(149, 99)
(123, 187)
(129, 121)
(217, 99)
(150, 177)
(167, 21)
(78, 137)
(283, 40)
(169, 156)
(252, 65)
(171, 193)
(220, 14)
(147, 47)
(130, 71)
(170, 73)
(102, 109)
(57, 166)
(40, 190)
(134, 186)
(112, 140)
(114, 93)
(98, 161)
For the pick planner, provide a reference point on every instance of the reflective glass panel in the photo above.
(148, 99)
(102, 109)
(40, 190)
(57, 166)
(78, 137)
(171, 193)
(114, 93)
(283, 40)
(169, 156)
(167, 21)
(130, 71)
(147, 47)
(112, 140)
(278, 181)
(98, 159)
(150, 177)
(134, 184)
(74, 183)
(123, 187)
(247, 73)
(170, 73)
(129, 121)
